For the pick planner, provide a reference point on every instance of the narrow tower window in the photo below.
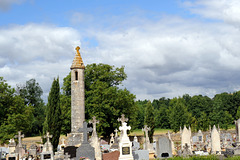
(76, 75)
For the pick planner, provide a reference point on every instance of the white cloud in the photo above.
(36, 51)
(5, 4)
(227, 10)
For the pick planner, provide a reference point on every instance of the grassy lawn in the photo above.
(158, 131)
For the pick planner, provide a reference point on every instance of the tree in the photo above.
(149, 120)
(31, 92)
(53, 119)
(14, 115)
(141, 105)
(178, 114)
(103, 97)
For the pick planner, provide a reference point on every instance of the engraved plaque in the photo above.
(125, 150)
(47, 156)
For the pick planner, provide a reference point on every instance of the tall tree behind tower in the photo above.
(53, 119)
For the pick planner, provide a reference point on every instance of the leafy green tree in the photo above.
(31, 92)
(149, 120)
(14, 114)
(178, 114)
(219, 116)
(162, 120)
(141, 105)
(53, 119)
(103, 98)
(203, 122)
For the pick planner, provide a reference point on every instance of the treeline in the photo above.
(22, 108)
(197, 111)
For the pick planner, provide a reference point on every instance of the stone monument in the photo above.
(85, 150)
(125, 146)
(47, 152)
(77, 99)
(215, 141)
(19, 149)
(164, 147)
(12, 147)
(186, 135)
(94, 140)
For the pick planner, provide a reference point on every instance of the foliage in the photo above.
(15, 115)
(31, 92)
(178, 114)
(149, 120)
(53, 118)
(103, 98)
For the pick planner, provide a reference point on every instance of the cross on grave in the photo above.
(85, 131)
(124, 129)
(19, 136)
(63, 140)
(146, 129)
(122, 119)
(111, 135)
(66, 156)
(47, 136)
(94, 122)
(116, 133)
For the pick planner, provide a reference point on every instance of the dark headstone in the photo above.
(85, 150)
(11, 158)
(141, 154)
(71, 150)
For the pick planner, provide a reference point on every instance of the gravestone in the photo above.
(63, 145)
(116, 134)
(85, 150)
(172, 144)
(141, 155)
(147, 145)
(215, 139)
(71, 151)
(33, 150)
(111, 139)
(47, 152)
(135, 146)
(164, 147)
(12, 146)
(19, 149)
(186, 150)
(186, 135)
(125, 146)
(66, 156)
(94, 140)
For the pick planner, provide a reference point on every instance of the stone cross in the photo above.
(66, 156)
(94, 122)
(111, 135)
(85, 131)
(116, 133)
(122, 119)
(47, 136)
(146, 129)
(124, 129)
(63, 140)
(19, 136)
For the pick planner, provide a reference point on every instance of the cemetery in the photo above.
(83, 142)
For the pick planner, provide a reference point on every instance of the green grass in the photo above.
(210, 157)
(139, 132)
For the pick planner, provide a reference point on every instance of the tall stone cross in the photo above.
(85, 131)
(94, 122)
(47, 136)
(146, 129)
(63, 140)
(111, 135)
(124, 129)
(122, 119)
(116, 133)
(19, 136)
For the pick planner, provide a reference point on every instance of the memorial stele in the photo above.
(77, 99)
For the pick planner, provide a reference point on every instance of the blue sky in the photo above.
(168, 47)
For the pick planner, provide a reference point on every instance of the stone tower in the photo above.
(77, 99)
(77, 92)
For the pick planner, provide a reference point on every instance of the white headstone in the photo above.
(215, 141)
(125, 146)
(186, 135)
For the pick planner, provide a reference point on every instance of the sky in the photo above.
(168, 47)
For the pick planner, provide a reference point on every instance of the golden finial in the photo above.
(77, 49)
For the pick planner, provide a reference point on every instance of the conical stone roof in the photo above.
(77, 61)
